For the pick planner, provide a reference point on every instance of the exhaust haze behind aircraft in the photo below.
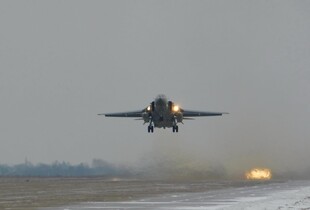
(162, 113)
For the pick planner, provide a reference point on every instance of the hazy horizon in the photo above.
(63, 62)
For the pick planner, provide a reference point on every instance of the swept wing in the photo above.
(192, 113)
(124, 114)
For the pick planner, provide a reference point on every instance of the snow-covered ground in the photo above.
(298, 198)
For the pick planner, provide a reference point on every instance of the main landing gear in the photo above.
(175, 129)
(150, 128)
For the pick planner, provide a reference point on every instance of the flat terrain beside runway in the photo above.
(34, 192)
(98, 192)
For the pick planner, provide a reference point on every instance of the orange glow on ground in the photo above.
(259, 174)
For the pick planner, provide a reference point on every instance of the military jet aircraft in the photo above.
(162, 113)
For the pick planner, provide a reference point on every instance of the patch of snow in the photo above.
(290, 199)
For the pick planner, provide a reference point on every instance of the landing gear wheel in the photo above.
(175, 129)
(150, 129)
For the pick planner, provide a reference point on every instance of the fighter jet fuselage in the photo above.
(162, 113)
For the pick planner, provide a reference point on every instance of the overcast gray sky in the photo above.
(62, 62)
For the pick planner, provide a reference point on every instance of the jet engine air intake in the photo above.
(170, 105)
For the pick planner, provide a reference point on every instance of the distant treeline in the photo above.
(97, 168)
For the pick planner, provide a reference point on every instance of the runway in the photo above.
(272, 195)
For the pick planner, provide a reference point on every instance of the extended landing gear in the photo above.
(150, 128)
(175, 129)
